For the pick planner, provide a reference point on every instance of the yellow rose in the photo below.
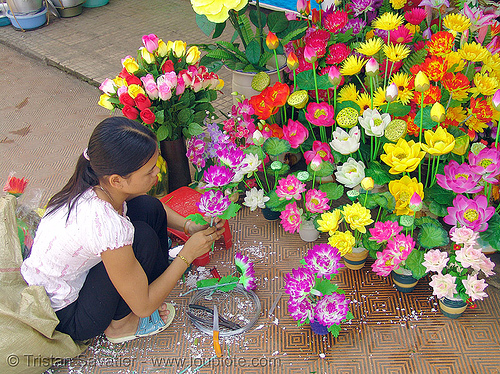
(179, 48)
(104, 102)
(343, 241)
(119, 81)
(437, 143)
(357, 216)
(403, 190)
(220, 86)
(402, 156)
(193, 55)
(217, 11)
(330, 221)
(170, 46)
(134, 90)
(130, 64)
(148, 57)
(162, 48)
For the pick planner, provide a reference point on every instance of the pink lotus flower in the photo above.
(301, 310)
(435, 260)
(486, 164)
(320, 114)
(475, 287)
(213, 203)
(400, 246)
(290, 188)
(383, 231)
(415, 202)
(443, 285)
(291, 218)
(316, 201)
(320, 152)
(299, 283)
(384, 264)
(487, 266)
(323, 260)
(473, 214)
(217, 176)
(150, 42)
(459, 178)
(331, 309)
(295, 133)
(463, 235)
(470, 256)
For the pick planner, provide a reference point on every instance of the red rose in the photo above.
(130, 112)
(126, 99)
(147, 116)
(167, 67)
(142, 102)
(124, 73)
(132, 79)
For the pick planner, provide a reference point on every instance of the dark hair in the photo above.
(117, 145)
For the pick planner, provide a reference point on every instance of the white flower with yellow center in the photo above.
(350, 173)
(374, 123)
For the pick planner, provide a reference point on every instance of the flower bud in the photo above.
(258, 138)
(334, 76)
(367, 183)
(422, 83)
(130, 64)
(104, 102)
(495, 100)
(310, 54)
(147, 56)
(372, 67)
(292, 61)
(315, 16)
(438, 113)
(415, 202)
(179, 48)
(162, 50)
(272, 41)
(193, 55)
(461, 145)
(150, 42)
(391, 93)
(301, 6)
(108, 86)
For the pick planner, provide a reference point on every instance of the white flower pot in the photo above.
(308, 232)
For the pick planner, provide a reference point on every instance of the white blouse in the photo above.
(65, 250)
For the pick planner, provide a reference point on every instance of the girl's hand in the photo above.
(201, 242)
(194, 227)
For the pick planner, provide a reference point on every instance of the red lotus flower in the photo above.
(262, 109)
(318, 41)
(337, 53)
(15, 186)
(334, 20)
(320, 114)
(292, 61)
(277, 94)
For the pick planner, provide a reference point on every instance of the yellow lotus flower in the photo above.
(179, 48)
(130, 64)
(484, 85)
(104, 102)
(461, 145)
(473, 52)
(422, 83)
(148, 57)
(438, 113)
(352, 65)
(396, 52)
(456, 22)
(193, 55)
(217, 10)
(330, 221)
(343, 241)
(438, 143)
(388, 21)
(403, 156)
(357, 216)
(402, 190)
(370, 47)
(348, 93)
(162, 50)
(134, 90)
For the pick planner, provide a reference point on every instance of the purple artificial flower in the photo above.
(361, 6)
(486, 164)
(230, 154)
(435, 3)
(301, 310)
(245, 267)
(331, 309)
(459, 178)
(299, 283)
(213, 203)
(473, 214)
(323, 260)
(242, 262)
(356, 24)
(195, 151)
(217, 176)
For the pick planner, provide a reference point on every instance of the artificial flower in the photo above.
(435, 260)
(484, 85)
(400, 247)
(334, 20)
(463, 235)
(456, 22)
(15, 186)
(384, 264)
(348, 93)
(367, 183)
(443, 285)
(415, 16)
(357, 216)
(475, 287)
(320, 152)
(440, 43)
(316, 201)
(321, 114)
(300, 310)
(346, 143)
(332, 309)
(217, 11)
(403, 156)
(213, 203)
(337, 53)
(344, 241)
(373, 122)
(403, 190)
(396, 52)
(291, 218)
(388, 21)
(439, 142)
(290, 188)
(295, 133)
(255, 199)
(459, 178)
(299, 283)
(470, 256)
(352, 65)
(471, 213)
(370, 47)
(323, 260)
(330, 221)
(384, 231)
(350, 173)
(422, 83)
(486, 163)
(473, 52)
(217, 176)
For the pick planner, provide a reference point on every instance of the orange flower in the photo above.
(481, 109)
(412, 128)
(261, 107)
(441, 43)
(457, 84)
(272, 41)
(435, 68)
(432, 95)
(292, 61)
(274, 130)
(15, 186)
(277, 94)
(454, 115)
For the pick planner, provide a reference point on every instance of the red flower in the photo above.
(440, 43)
(130, 112)
(277, 94)
(337, 53)
(432, 95)
(167, 67)
(315, 16)
(261, 107)
(481, 109)
(334, 20)
(318, 41)
(15, 186)
(147, 116)
(415, 16)
(132, 79)
(142, 102)
(126, 99)
(272, 131)
(434, 67)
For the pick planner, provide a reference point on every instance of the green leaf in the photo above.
(389, 203)
(295, 30)
(379, 173)
(414, 263)
(163, 132)
(254, 17)
(252, 52)
(427, 122)
(207, 282)
(325, 169)
(277, 22)
(440, 195)
(274, 202)
(256, 150)
(425, 219)
(195, 129)
(492, 234)
(197, 218)
(230, 211)
(160, 116)
(431, 236)
(372, 246)
(334, 330)
(438, 209)
(305, 81)
(325, 286)
(333, 191)
(275, 146)
(345, 38)
(206, 26)
(398, 109)
(219, 28)
(185, 115)
(227, 279)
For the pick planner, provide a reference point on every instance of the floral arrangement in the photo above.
(165, 88)
(457, 270)
(313, 296)
(245, 269)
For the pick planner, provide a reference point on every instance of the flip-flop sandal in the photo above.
(149, 325)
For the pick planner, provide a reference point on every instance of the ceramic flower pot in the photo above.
(270, 215)
(174, 153)
(403, 280)
(452, 307)
(356, 259)
(308, 232)
(318, 328)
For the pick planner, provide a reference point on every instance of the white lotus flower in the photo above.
(350, 173)
(374, 123)
(249, 164)
(346, 143)
(255, 199)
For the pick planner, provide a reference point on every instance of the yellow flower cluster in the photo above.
(217, 10)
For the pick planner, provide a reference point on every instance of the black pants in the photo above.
(99, 302)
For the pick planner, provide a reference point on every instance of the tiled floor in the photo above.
(46, 117)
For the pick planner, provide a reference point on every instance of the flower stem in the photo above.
(362, 84)
(261, 29)
(310, 127)
(315, 82)
(420, 133)
(335, 106)
(371, 91)
(496, 137)
(236, 25)
(277, 65)
(435, 171)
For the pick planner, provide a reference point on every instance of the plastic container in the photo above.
(30, 21)
(95, 3)
(23, 7)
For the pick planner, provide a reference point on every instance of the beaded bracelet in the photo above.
(184, 259)
(186, 226)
